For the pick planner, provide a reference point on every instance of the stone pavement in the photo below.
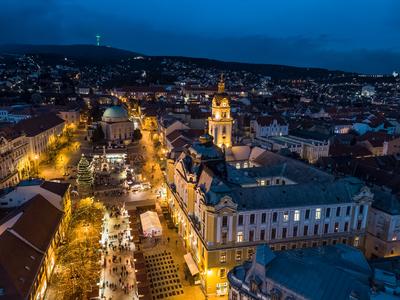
(118, 274)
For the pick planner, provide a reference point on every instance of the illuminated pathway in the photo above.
(117, 279)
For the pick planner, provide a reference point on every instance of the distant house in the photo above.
(266, 126)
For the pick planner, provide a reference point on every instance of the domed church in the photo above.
(116, 125)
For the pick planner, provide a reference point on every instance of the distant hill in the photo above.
(89, 53)
(275, 71)
(105, 55)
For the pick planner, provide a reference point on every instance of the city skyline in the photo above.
(334, 35)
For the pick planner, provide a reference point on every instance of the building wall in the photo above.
(383, 238)
(218, 241)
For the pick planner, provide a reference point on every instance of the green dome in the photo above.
(115, 114)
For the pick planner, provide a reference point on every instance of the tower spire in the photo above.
(221, 84)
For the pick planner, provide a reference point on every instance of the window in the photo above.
(222, 256)
(356, 241)
(239, 237)
(238, 255)
(237, 165)
(296, 215)
(361, 209)
(326, 228)
(348, 210)
(262, 182)
(277, 181)
(318, 214)
(295, 231)
(328, 212)
(346, 226)
(224, 237)
(307, 216)
(314, 244)
(285, 216)
(359, 222)
(250, 253)
(224, 221)
(344, 241)
(251, 235)
(222, 272)
(334, 242)
(274, 217)
(273, 233)
(336, 229)
(283, 248)
(263, 218)
(316, 229)
(252, 218)
(284, 233)
(283, 182)
(305, 231)
(337, 211)
(240, 220)
(262, 234)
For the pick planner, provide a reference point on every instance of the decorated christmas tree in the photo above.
(85, 176)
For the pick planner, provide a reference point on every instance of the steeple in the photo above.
(221, 84)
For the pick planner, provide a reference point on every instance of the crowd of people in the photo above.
(118, 267)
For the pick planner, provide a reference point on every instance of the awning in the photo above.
(191, 264)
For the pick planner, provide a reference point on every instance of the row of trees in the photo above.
(78, 268)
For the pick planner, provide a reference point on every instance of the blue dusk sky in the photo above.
(352, 35)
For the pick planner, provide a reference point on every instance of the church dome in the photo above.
(115, 114)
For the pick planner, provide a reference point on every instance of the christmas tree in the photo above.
(85, 176)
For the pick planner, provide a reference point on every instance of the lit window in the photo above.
(222, 256)
(297, 215)
(285, 216)
(237, 165)
(356, 241)
(239, 255)
(318, 214)
(262, 182)
(245, 165)
(239, 237)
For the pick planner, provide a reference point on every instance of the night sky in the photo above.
(354, 35)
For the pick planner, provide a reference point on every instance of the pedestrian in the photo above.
(168, 239)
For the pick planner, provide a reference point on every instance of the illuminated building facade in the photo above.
(223, 213)
(220, 122)
(33, 244)
(14, 162)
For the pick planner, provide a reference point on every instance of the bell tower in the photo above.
(220, 122)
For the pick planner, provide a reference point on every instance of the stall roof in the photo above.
(191, 264)
(150, 222)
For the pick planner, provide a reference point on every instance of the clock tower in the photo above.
(220, 122)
